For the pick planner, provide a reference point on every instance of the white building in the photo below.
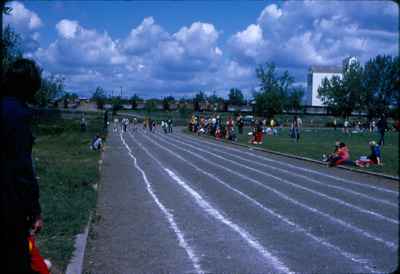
(316, 74)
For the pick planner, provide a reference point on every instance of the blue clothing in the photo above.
(19, 200)
(376, 151)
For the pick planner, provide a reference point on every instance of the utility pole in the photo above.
(121, 91)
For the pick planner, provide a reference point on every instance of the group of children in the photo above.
(341, 156)
(215, 126)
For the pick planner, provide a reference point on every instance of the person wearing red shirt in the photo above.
(342, 155)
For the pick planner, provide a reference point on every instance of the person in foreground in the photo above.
(20, 210)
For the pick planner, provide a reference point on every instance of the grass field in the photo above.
(67, 169)
(316, 141)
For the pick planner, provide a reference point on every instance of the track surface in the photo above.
(180, 204)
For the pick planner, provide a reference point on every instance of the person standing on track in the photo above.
(169, 125)
(240, 123)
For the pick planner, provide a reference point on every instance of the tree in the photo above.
(134, 101)
(151, 105)
(274, 90)
(167, 101)
(8, 42)
(343, 95)
(379, 91)
(100, 97)
(116, 103)
(199, 97)
(236, 97)
(52, 88)
(293, 101)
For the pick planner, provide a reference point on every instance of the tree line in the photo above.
(373, 89)
(235, 97)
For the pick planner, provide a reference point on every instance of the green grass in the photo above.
(316, 141)
(67, 169)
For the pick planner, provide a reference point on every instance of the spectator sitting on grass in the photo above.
(329, 157)
(373, 159)
(218, 133)
(97, 143)
(341, 157)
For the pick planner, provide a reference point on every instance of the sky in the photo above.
(162, 48)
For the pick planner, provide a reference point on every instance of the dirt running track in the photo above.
(180, 204)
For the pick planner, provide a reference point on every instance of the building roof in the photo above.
(326, 69)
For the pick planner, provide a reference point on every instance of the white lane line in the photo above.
(366, 234)
(339, 201)
(180, 235)
(276, 263)
(300, 168)
(396, 205)
(297, 227)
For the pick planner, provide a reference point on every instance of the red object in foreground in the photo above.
(37, 262)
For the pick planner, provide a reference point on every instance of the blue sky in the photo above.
(177, 48)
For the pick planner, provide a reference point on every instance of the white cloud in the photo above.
(249, 43)
(77, 46)
(26, 23)
(21, 18)
(151, 61)
(300, 34)
(148, 58)
(199, 39)
(144, 37)
(67, 28)
(270, 12)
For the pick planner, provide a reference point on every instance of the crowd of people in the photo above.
(233, 126)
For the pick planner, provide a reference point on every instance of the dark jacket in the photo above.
(19, 187)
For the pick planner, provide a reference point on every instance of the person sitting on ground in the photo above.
(232, 135)
(252, 134)
(342, 156)
(373, 159)
(258, 133)
(97, 143)
(329, 157)
(218, 133)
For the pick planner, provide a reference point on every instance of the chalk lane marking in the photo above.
(297, 227)
(339, 201)
(276, 263)
(366, 234)
(300, 176)
(296, 167)
(170, 218)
